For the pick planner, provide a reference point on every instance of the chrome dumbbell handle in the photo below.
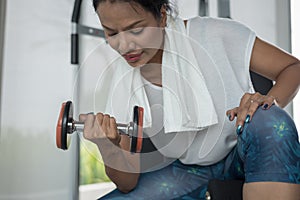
(124, 129)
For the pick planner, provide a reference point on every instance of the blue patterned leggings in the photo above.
(267, 150)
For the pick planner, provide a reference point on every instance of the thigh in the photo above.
(176, 181)
(269, 147)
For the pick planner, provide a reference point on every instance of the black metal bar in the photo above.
(203, 8)
(76, 11)
(78, 29)
(81, 29)
(74, 49)
(224, 8)
(74, 34)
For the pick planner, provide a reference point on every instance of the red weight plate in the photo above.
(59, 126)
(140, 130)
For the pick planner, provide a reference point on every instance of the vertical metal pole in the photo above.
(75, 60)
(2, 32)
(203, 8)
(224, 8)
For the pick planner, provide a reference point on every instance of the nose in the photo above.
(125, 44)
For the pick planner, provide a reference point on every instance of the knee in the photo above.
(269, 144)
(274, 123)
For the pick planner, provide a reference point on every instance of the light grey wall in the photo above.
(36, 79)
(188, 8)
(2, 25)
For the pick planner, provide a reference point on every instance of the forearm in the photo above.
(121, 166)
(287, 85)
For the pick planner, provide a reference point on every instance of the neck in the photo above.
(152, 73)
(152, 70)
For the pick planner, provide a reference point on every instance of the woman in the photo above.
(197, 71)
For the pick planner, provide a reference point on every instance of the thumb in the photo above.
(83, 117)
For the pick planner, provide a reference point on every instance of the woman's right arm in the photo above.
(121, 166)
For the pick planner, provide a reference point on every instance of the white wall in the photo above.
(37, 78)
(187, 8)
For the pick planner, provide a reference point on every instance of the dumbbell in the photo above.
(66, 125)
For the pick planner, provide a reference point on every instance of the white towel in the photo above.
(187, 103)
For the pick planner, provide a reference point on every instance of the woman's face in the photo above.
(132, 31)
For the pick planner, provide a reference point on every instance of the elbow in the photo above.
(125, 182)
(128, 187)
(125, 190)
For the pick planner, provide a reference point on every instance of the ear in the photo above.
(163, 16)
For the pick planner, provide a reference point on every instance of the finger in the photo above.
(99, 117)
(105, 123)
(88, 129)
(242, 111)
(113, 123)
(248, 107)
(109, 134)
(89, 122)
(268, 102)
(99, 123)
(231, 114)
(254, 104)
(113, 129)
(106, 127)
(82, 117)
(247, 110)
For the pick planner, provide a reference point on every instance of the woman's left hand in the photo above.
(248, 105)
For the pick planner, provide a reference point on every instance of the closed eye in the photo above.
(137, 31)
(111, 34)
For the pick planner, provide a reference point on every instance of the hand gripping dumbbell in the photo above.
(66, 125)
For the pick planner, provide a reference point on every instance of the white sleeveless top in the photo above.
(229, 45)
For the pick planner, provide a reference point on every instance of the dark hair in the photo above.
(153, 6)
